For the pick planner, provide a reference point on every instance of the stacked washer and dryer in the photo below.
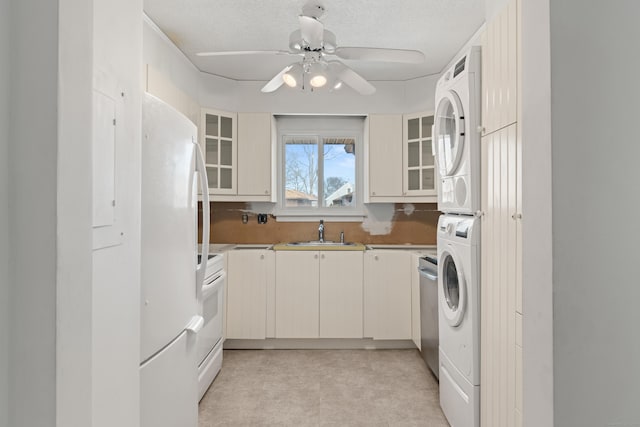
(457, 146)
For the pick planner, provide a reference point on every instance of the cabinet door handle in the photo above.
(516, 216)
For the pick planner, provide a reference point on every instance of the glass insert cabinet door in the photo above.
(218, 142)
(419, 162)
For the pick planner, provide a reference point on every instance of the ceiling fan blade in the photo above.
(379, 54)
(312, 31)
(277, 81)
(245, 52)
(351, 78)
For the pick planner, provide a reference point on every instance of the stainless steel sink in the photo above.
(319, 243)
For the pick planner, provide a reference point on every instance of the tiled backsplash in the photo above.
(407, 224)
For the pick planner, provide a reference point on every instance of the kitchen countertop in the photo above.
(302, 247)
(223, 247)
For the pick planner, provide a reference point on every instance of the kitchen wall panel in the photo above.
(415, 226)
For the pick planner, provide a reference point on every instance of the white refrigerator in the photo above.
(172, 169)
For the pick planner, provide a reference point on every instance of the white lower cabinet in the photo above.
(249, 272)
(297, 294)
(341, 282)
(319, 294)
(387, 295)
(415, 301)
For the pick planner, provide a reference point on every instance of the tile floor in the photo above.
(322, 388)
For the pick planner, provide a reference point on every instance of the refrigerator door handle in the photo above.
(202, 174)
(195, 325)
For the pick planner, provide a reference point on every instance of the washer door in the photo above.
(453, 288)
(449, 133)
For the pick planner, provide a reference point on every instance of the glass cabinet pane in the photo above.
(427, 153)
(211, 127)
(211, 155)
(428, 181)
(427, 122)
(414, 180)
(226, 151)
(225, 178)
(226, 127)
(413, 129)
(413, 154)
(212, 177)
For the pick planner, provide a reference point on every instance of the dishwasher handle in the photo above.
(428, 274)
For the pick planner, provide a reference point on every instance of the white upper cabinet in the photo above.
(238, 154)
(385, 156)
(219, 146)
(255, 156)
(418, 156)
(400, 158)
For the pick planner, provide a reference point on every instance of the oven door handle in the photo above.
(215, 283)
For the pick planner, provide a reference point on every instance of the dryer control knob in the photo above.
(449, 228)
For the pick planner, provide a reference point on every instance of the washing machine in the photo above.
(457, 138)
(459, 318)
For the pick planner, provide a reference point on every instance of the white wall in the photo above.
(32, 211)
(4, 212)
(116, 270)
(73, 299)
(388, 98)
(537, 262)
(595, 105)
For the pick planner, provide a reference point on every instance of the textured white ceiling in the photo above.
(438, 28)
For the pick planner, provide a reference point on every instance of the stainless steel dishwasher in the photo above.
(428, 267)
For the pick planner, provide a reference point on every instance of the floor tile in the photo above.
(373, 388)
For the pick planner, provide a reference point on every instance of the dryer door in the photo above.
(453, 287)
(449, 133)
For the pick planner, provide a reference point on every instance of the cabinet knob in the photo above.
(373, 193)
(375, 257)
(322, 256)
(315, 256)
(261, 256)
(266, 192)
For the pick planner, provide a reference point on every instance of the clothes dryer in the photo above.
(457, 140)
(459, 318)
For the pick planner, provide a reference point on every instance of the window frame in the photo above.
(320, 127)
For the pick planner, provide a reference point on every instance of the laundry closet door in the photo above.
(501, 247)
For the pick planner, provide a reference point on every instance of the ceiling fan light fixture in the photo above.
(293, 76)
(318, 80)
(317, 74)
(289, 80)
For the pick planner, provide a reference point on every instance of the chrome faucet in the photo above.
(321, 231)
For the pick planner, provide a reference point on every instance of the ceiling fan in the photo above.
(314, 44)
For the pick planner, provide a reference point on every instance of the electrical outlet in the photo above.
(245, 218)
(262, 218)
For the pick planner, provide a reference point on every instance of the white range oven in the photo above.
(211, 309)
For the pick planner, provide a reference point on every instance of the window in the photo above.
(320, 166)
